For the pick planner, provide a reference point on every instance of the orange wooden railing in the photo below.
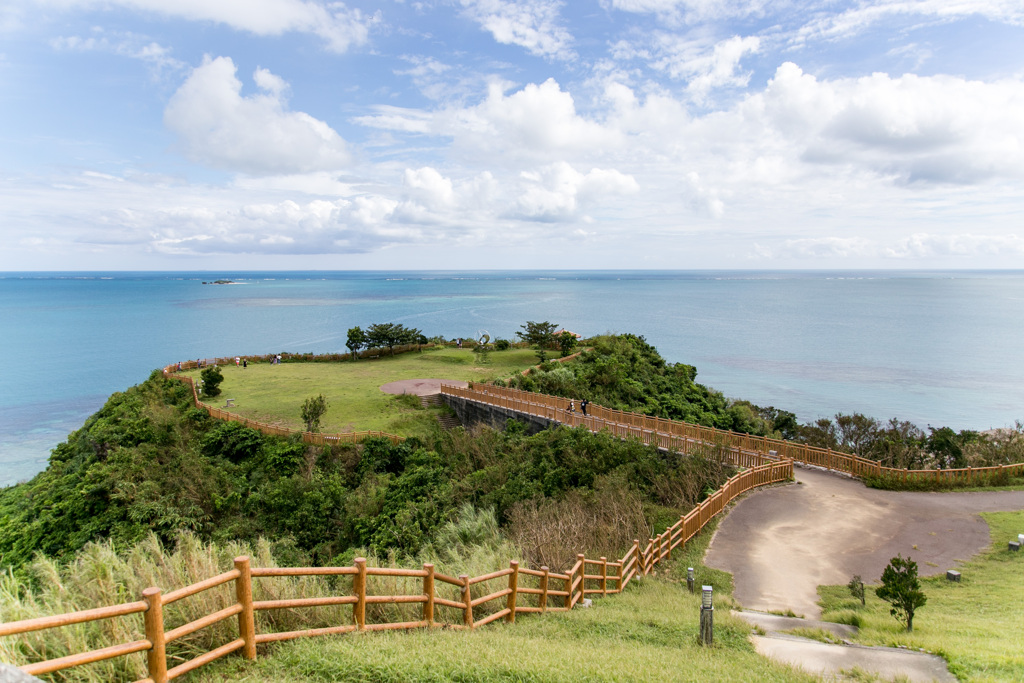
(605, 578)
(746, 449)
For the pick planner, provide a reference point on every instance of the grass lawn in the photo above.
(976, 625)
(648, 633)
(274, 393)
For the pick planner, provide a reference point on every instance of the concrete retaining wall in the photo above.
(472, 413)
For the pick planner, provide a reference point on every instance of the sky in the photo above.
(496, 134)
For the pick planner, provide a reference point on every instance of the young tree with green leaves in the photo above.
(313, 408)
(538, 334)
(901, 589)
(212, 378)
(856, 587)
(356, 340)
(567, 342)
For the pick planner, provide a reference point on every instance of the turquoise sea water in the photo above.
(939, 348)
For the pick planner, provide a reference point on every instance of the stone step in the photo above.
(431, 400)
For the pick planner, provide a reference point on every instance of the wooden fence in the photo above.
(745, 448)
(519, 591)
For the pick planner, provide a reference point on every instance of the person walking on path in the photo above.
(583, 406)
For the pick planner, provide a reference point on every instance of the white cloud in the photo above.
(532, 24)
(910, 128)
(257, 134)
(692, 11)
(434, 189)
(339, 26)
(864, 15)
(924, 245)
(123, 44)
(273, 84)
(560, 192)
(704, 67)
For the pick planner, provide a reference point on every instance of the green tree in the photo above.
(313, 408)
(391, 335)
(856, 587)
(538, 334)
(567, 342)
(857, 433)
(901, 589)
(948, 446)
(356, 340)
(212, 378)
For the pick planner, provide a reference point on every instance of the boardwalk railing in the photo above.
(745, 449)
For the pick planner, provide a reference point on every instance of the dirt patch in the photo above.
(780, 544)
(419, 387)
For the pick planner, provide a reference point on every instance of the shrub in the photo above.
(212, 378)
(901, 589)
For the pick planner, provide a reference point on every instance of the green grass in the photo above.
(274, 393)
(976, 625)
(647, 633)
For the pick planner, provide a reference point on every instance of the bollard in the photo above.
(689, 579)
(707, 616)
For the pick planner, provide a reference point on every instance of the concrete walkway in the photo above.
(781, 543)
(831, 661)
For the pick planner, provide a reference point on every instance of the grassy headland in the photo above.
(274, 393)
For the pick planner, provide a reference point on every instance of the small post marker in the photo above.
(1014, 546)
(952, 575)
(689, 579)
(707, 616)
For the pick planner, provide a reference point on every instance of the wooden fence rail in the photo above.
(588, 576)
(745, 450)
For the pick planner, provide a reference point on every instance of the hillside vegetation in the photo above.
(149, 462)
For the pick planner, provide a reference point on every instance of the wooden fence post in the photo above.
(513, 585)
(428, 590)
(583, 575)
(467, 611)
(154, 621)
(246, 618)
(359, 588)
(604, 576)
(544, 590)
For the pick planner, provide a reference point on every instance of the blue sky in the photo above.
(300, 134)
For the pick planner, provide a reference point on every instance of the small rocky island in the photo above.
(219, 282)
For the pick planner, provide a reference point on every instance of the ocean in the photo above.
(935, 348)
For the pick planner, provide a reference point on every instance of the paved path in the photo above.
(781, 543)
(419, 387)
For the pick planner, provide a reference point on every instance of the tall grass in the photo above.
(101, 575)
(647, 633)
